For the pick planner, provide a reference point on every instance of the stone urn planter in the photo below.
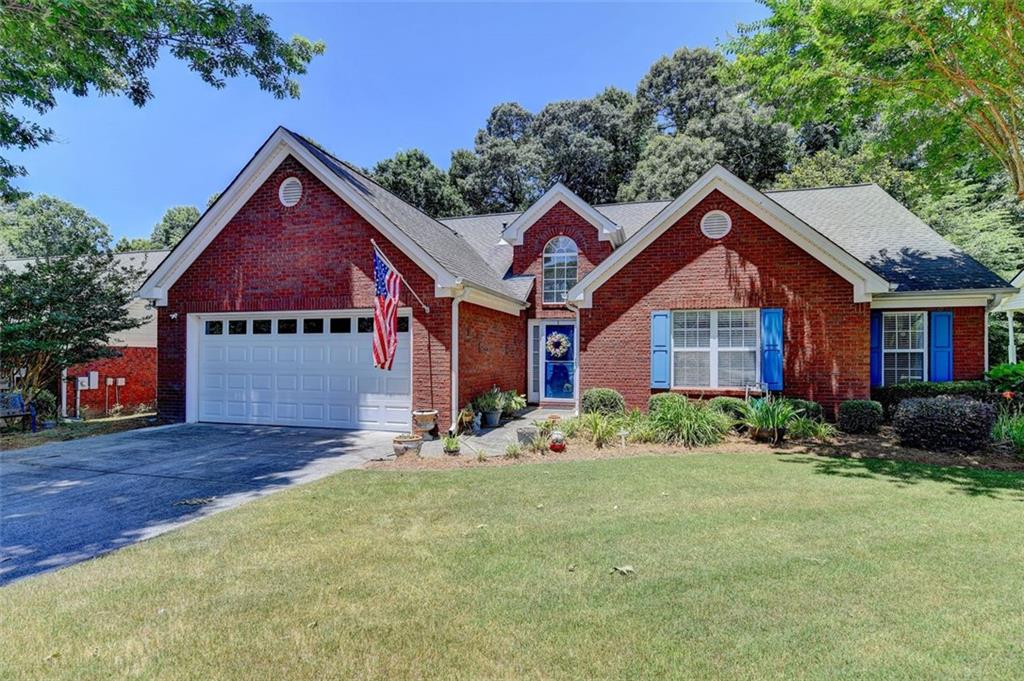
(425, 422)
(407, 443)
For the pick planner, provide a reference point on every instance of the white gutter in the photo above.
(576, 365)
(460, 293)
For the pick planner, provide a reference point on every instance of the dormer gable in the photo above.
(606, 229)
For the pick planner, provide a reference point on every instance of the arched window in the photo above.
(560, 260)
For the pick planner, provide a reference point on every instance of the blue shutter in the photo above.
(660, 339)
(771, 347)
(876, 348)
(940, 350)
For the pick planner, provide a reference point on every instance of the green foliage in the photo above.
(175, 223)
(1009, 427)
(734, 407)
(109, 48)
(570, 427)
(599, 427)
(943, 76)
(1003, 377)
(451, 443)
(944, 422)
(657, 400)
(513, 404)
(45, 225)
(860, 416)
(492, 400)
(46, 404)
(832, 167)
(770, 413)
(513, 450)
(805, 428)
(126, 245)
(688, 424)
(807, 408)
(603, 401)
(414, 177)
(544, 426)
(890, 396)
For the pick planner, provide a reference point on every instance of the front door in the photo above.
(552, 361)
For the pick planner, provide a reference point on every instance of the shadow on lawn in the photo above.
(972, 482)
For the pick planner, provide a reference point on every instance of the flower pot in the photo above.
(774, 436)
(424, 422)
(451, 451)
(492, 418)
(404, 444)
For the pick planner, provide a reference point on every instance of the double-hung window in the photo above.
(715, 348)
(904, 347)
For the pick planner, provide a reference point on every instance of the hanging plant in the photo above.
(557, 344)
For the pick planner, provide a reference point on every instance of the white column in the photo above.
(1011, 346)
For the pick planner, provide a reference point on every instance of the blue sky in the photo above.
(395, 76)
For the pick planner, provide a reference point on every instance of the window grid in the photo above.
(904, 347)
(715, 348)
(561, 261)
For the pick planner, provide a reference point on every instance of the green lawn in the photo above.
(746, 566)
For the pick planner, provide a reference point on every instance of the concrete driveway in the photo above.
(66, 502)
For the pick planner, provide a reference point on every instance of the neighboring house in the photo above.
(265, 306)
(132, 374)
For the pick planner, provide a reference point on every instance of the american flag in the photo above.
(388, 286)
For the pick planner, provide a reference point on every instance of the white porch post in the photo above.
(1011, 346)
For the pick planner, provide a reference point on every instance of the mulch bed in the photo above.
(1000, 456)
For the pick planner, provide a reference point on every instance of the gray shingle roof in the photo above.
(146, 260)
(449, 249)
(880, 232)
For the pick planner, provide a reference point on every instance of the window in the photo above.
(238, 327)
(312, 326)
(403, 325)
(904, 343)
(365, 325)
(287, 326)
(260, 327)
(560, 268)
(214, 328)
(714, 348)
(341, 325)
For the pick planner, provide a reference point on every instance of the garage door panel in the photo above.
(302, 379)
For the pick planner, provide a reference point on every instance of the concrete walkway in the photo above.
(491, 442)
(65, 502)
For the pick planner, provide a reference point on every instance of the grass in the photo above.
(74, 430)
(745, 566)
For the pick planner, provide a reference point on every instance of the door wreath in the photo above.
(557, 344)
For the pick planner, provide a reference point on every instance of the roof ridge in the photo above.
(470, 216)
(825, 186)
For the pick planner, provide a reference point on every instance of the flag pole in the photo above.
(426, 308)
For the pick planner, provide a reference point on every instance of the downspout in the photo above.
(456, 299)
(576, 365)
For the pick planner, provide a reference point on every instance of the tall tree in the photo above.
(669, 165)
(177, 220)
(414, 177)
(81, 45)
(944, 75)
(32, 227)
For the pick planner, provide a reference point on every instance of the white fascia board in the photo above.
(989, 298)
(606, 229)
(493, 301)
(273, 152)
(864, 280)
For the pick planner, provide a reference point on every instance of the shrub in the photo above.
(891, 395)
(805, 428)
(544, 426)
(657, 399)
(770, 413)
(603, 401)
(681, 422)
(600, 428)
(1003, 377)
(808, 408)
(513, 450)
(730, 406)
(1010, 427)
(492, 400)
(860, 416)
(944, 423)
(46, 405)
(512, 403)
(570, 427)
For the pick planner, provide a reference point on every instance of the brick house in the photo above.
(265, 307)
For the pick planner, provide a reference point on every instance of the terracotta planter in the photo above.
(404, 444)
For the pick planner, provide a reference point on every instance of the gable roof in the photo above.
(147, 261)
(607, 230)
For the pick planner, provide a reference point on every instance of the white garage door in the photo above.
(301, 370)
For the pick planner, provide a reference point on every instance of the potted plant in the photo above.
(450, 444)
(490, 404)
(768, 419)
(407, 442)
(425, 421)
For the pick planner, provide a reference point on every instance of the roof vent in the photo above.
(715, 224)
(290, 192)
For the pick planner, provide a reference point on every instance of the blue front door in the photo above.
(559, 361)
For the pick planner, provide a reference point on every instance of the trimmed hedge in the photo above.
(1004, 377)
(891, 395)
(808, 408)
(859, 416)
(944, 422)
(734, 407)
(657, 399)
(603, 401)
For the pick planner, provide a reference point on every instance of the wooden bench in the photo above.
(13, 410)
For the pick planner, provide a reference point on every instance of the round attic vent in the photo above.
(290, 192)
(715, 224)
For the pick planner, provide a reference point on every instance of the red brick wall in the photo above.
(968, 339)
(529, 257)
(492, 351)
(315, 255)
(826, 334)
(136, 365)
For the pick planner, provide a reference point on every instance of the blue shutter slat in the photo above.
(940, 350)
(771, 347)
(876, 349)
(660, 339)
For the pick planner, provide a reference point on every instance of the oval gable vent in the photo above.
(715, 224)
(290, 192)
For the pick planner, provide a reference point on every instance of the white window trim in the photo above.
(543, 266)
(713, 350)
(923, 351)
